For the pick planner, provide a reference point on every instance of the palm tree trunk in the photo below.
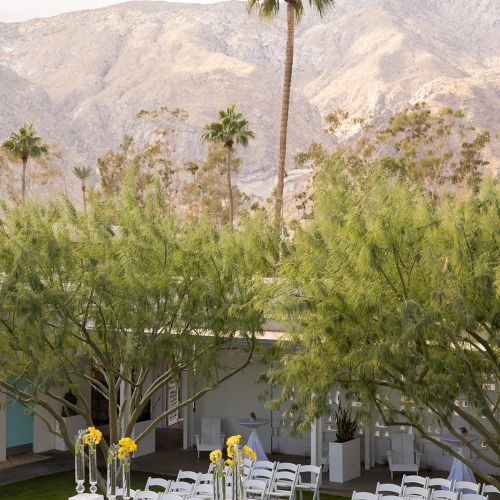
(23, 180)
(229, 186)
(84, 197)
(285, 106)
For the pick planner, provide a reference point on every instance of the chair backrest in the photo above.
(206, 478)
(146, 495)
(265, 474)
(444, 495)
(415, 491)
(210, 430)
(467, 485)
(403, 449)
(154, 482)
(284, 480)
(187, 476)
(388, 488)
(287, 466)
(182, 486)
(489, 488)
(420, 480)
(472, 496)
(314, 472)
(363, 495)
(439, 482)
(255, 484)
(264, 464)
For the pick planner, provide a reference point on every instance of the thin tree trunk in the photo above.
(84, 197)
(23, 180)
(229, 186)
(285, 106)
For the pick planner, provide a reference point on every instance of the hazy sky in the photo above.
(20, 10)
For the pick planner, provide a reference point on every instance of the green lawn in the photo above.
(61, 486)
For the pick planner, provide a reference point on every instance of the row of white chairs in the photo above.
(457, 486)
(412, 493)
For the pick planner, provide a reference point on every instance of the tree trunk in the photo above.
(23, 180)
(84, 197)
(285, 106)
(229, 186)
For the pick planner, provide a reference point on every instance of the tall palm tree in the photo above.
(25, 144)
(83, 173)
(267, 9)
(230, 128)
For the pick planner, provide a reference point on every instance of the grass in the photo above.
(62, 486)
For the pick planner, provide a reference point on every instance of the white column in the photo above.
(316, 441)
(3, 428)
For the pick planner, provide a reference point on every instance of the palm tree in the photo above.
(268, 9)
(83, 173)
(25, 144)
(230, 128)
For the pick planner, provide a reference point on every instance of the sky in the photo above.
(21, 10)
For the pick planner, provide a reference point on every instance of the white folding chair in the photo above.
(472, 496)
(403, 455)
(391, 489)
(181, 488)
(287, 466)
(363, 495)
(211, 437)
(264, 464)
(157, 482)
(414, 480)
(416, 492)
(119, 492)
(255, 489)
(314, 472)
(263, 475)
(187, 476)
(467, 485)
(170, 496)
(207, 478)
(489, 488)
(205, 491)
(283, 485)
(247, 467)
(146, 495)
(444, 495)
(439, 482)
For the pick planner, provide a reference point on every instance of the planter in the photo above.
(345, 460)
(74, 424)
(148, 444)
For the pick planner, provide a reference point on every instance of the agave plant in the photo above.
(346, 425)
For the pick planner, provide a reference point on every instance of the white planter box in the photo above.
(345, 461)
(148, 444)
(74, 424)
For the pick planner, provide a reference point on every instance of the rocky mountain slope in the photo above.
(81, 77)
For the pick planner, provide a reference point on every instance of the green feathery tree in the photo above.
(23, 145)
(231, 128)
(394, 295)
(267, 9)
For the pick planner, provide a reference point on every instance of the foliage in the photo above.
(83, 173)
(96, 301)
(346, 425)
(394, 296)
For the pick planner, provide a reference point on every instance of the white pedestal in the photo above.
(344, 461)
(86, 496)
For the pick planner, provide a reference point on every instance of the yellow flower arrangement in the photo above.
(229, 462)
(126, 446)
(92, 436)
(232, 440)
(215, 456)
(249, 452)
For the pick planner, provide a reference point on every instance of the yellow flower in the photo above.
(229, 462)
(127, 445)
(92, 435)
(215, 456)
(230, 452)
(232, 440)
(249, 452)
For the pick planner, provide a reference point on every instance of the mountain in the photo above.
(82, 77)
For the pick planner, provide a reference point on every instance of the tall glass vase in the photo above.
(111, 473)
(92, 467)
(126, 476)
(79, 466)
(219, 480)
(238, 491)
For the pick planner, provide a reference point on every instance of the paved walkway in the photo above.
(170, 458)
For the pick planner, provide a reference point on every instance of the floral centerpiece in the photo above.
(235, 460)
(90, 437)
